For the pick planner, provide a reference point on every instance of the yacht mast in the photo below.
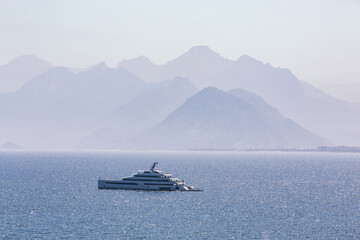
(153, 166)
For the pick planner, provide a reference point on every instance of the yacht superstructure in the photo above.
(147, 180)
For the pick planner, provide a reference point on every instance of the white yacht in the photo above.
(147, 180)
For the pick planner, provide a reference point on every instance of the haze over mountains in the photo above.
(18, 71)
(215, 119)
(331, 118)
(146, 110)
(58, 107)
(347, 91)
(141, 105)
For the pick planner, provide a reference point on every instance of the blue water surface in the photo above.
(247, 195)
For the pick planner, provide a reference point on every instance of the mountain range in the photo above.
(146, 110)
(58, 107)
(20, 70)
(214, 119)
(141, 105)
(327, 116)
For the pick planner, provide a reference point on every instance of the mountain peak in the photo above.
(25, 59)
(210, 95)
(247, 59)
(101, 65)
(202, 51)
(29, 62)
(210, 90)
(141, 61)
(202, 55)
(10, 145)
(58, 71)
(20, 70)
(214, 118)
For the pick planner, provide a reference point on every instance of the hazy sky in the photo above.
(319, 40)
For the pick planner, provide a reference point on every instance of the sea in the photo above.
(246, 195)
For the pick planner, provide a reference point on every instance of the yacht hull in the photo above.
(119, 184)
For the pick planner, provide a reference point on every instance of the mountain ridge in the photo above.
(59, 107)
(277, 86)
(19, 70)
(213, 118)
(92, 93)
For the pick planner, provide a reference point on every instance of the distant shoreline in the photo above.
(318, 149)
(336, 149)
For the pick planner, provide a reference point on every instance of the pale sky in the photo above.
(318, 40)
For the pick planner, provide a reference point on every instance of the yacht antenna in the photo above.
(153, 166)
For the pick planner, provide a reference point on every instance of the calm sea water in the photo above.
(256, 195)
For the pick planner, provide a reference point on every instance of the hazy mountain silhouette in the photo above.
(18, 71)
(153, 105)
(347, 91)
(205, 67)
(197, 64)
(313, 109)
(332, 118)
(10, 146)
(144, 68)
(58, 107)
(142, 113)
(216, 119)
